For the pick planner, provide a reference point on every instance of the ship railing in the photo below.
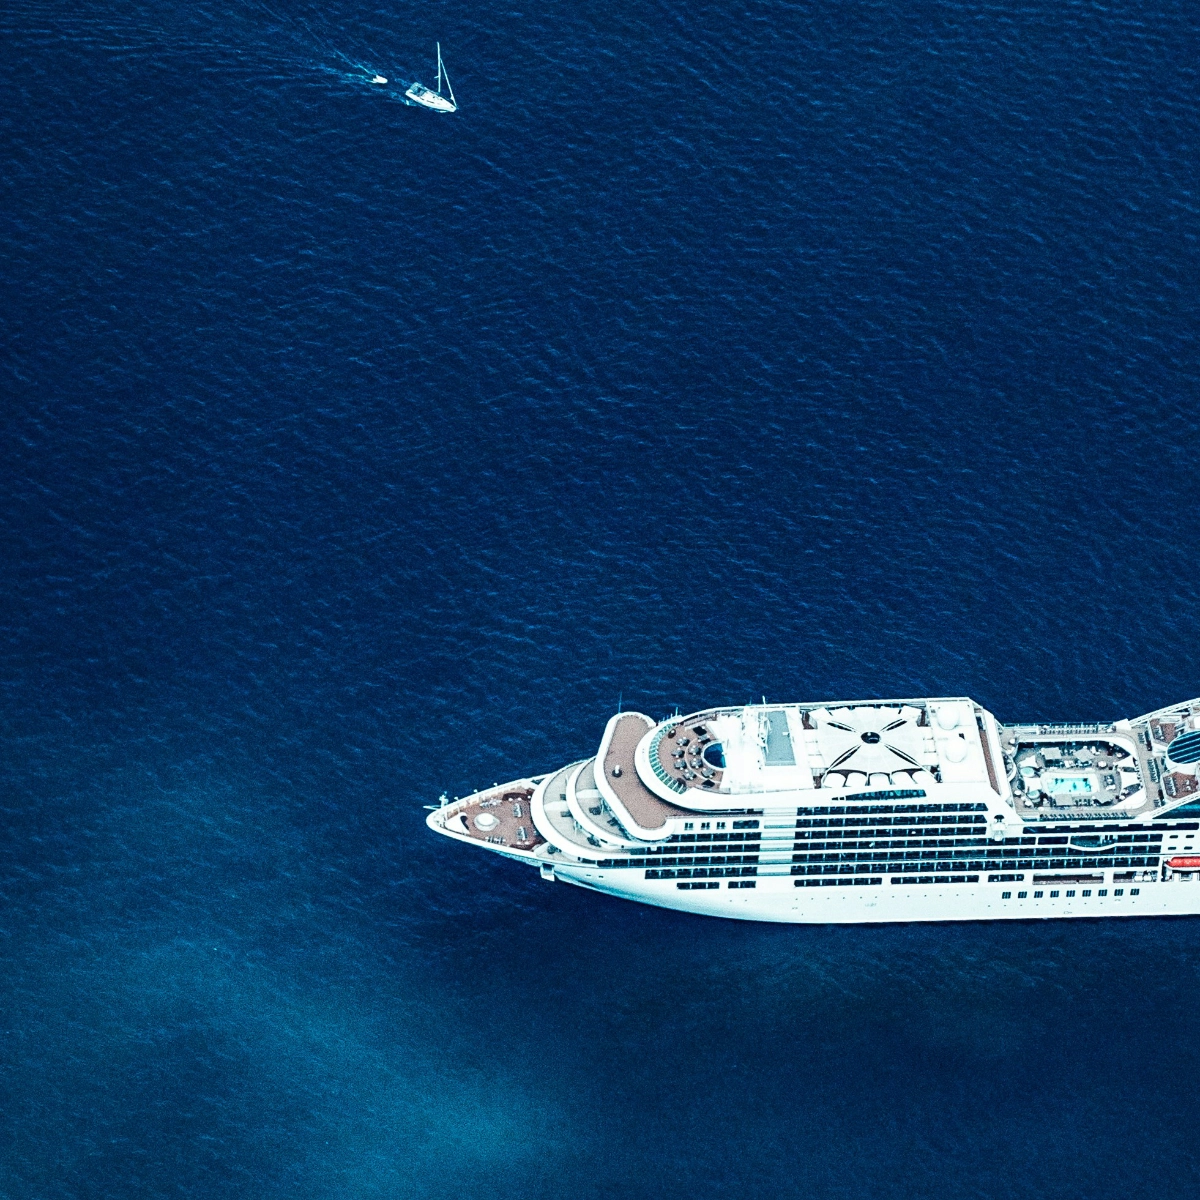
(657, 767)
(1073, 816)
(1061, 730)
(1169, 711)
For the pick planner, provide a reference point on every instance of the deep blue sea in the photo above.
(351, 454)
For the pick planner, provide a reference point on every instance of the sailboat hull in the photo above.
(420, 94)
(427, 99)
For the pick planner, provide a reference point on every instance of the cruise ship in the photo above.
(864, 811)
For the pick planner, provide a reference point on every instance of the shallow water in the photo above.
(352, 454)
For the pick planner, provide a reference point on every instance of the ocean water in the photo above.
(351, 454)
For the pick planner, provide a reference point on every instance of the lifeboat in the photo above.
(1184, 864)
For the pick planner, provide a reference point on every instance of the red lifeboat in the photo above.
(1184, 864)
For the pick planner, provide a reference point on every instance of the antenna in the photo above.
(620, 698)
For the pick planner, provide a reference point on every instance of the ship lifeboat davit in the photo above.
(1184, 864)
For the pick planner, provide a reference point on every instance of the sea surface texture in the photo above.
(351, 454)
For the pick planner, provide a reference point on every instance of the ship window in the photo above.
(720, 824)
(1087, 891)
(1070, 893)
(1102, 892)
(1053, 895)
(1119, 892)
(1038, 895)
(687, 824)
(705, 824)
(1134, 891)
(1006, 895)
(1022, 895)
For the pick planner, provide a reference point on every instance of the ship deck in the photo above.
(499, 817)
(648, 813)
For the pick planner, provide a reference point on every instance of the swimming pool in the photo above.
(1070, 783)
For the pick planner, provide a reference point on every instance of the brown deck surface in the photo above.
(510, 806)
(1163, 731)
(1178, 784)
(648, 813)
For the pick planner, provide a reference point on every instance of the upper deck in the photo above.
(1069, 772)
(1122, 769)
(650, 782)
(640, 809)
(725, 758)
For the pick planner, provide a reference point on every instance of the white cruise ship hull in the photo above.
(775, 899)
(868, 812)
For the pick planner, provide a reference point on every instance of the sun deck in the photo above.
(639, 810)
(499, 817)
(1075, 772)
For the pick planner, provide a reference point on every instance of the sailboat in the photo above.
(419, 94)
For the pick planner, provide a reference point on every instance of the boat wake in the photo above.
(254, 42)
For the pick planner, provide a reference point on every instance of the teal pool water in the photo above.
(1070, 783)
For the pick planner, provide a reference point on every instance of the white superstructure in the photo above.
(898, 810)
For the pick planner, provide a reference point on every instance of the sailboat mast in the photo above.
(444, 74)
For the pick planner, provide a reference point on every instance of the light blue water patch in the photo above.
(1070, 783)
